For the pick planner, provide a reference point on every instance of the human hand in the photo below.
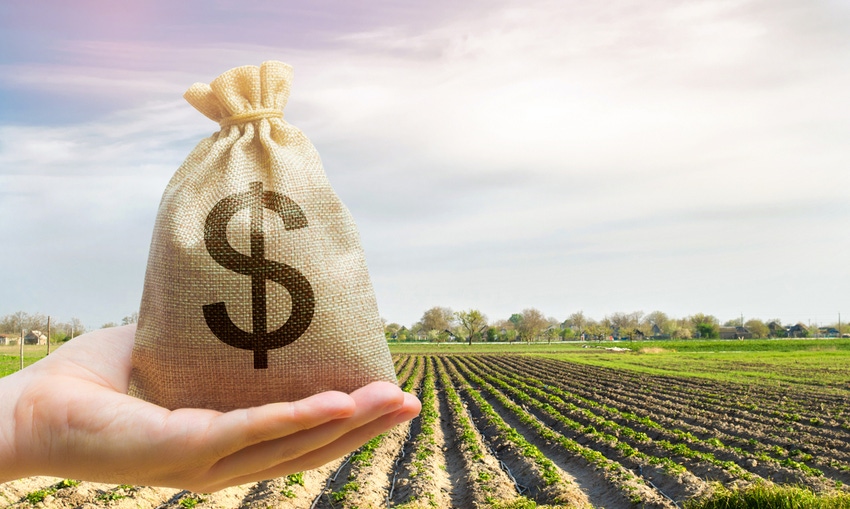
(69, 415)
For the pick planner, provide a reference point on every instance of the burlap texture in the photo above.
(249, 230)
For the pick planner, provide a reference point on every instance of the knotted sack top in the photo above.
(244, 94)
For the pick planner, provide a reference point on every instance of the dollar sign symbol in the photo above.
(259, 269)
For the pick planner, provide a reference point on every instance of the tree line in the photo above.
(22, 322)
(442, 324)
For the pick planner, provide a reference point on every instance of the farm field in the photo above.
(10, 360)
(578, 427)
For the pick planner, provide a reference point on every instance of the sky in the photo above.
(612, 156)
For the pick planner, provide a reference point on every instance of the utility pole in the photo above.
(21, 341)
(48, 335)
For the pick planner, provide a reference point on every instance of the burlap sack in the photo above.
(256, 288)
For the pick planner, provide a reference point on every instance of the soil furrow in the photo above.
(475, 474)
(671, 414)
(744, 460)
(678, 484)
(577, 489)
(423, 476)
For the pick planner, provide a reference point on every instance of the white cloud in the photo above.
(685, 157)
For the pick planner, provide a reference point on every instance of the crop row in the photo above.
(498, 432)
(743, 442)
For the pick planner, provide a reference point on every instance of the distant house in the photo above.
(777, 330)
(657, 333)
(35, 337)
(828, 332)
(735, 333)
(8, 339)
(797, 331)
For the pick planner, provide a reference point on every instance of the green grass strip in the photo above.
(761, 496)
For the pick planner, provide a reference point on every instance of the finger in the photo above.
(359, 436)
(371, 402)
(234, 431)
(338, 448)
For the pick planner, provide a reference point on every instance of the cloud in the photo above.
(558, 154)
(124, 142)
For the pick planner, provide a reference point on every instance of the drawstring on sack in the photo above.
(250, 116)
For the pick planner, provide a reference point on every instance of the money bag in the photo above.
(256, 288)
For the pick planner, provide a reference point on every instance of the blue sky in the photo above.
(596, 156)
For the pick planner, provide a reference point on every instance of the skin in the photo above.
(68, 415)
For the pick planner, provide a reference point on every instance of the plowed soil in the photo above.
(506, 427)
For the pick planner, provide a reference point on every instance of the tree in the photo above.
(705, 326)
(734, 322)
(438, 319)
(624, 323)
(757, 328)
(778, 330)
(391, 330)
(77, 327)
(418, 331)
(404, 334)
(533, 322)
(131, 318)
(11, 323)
(683, 333)
(108, 325)
(597, 331)
(436, 336)
(505, 330)
(21, 320)
(577, 322)
(553, 331)
(472, 322)
(659, 319)
(515, 319)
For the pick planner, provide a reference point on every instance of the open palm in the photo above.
(69, 416)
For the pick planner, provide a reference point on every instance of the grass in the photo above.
(761, 496)
(822, 364)
(491, 348)
(679, 345)
(10, 360)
